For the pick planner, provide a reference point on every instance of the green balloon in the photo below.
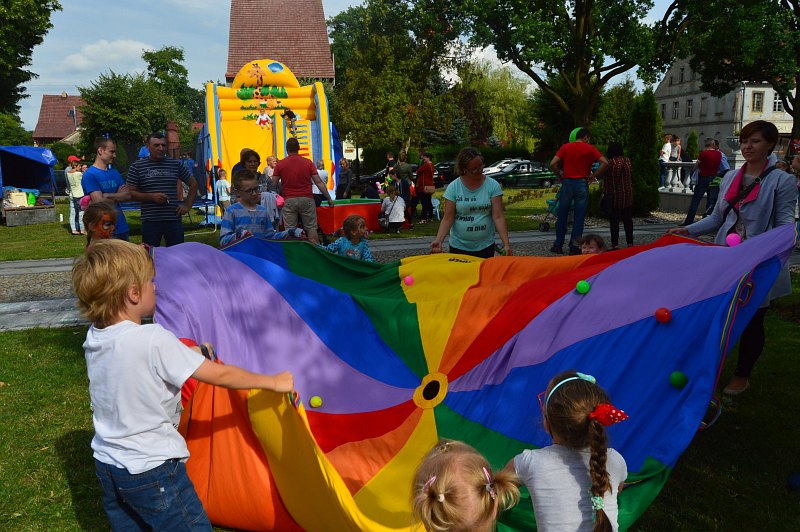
(678, 379)
(574, 135)
(583, 287)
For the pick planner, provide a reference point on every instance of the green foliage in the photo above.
(612, 123)
(12, 133)
(125, 107)
(165, 68)
(496, 102)
(583, 44)
(62, 150)
(387, 52)
(24, 24)
(553, 123)
(691, 145)
(643, 150)
(757, 41)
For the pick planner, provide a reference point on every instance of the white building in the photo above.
(684, 106)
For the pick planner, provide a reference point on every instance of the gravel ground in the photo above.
(57, 285)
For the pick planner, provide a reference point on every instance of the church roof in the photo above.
(293, 33)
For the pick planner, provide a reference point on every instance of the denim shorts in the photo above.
(160, 499)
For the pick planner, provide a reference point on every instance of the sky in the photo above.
(90, 38)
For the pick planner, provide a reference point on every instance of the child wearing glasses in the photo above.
(455, 489)
(579, 470)
(247, 216)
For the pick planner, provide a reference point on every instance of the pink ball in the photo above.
(733, 239)
(408, 280)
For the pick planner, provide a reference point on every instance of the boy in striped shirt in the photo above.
(248, 217)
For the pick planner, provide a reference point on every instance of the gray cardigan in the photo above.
(774, 206)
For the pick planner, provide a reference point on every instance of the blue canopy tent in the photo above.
(27, 169)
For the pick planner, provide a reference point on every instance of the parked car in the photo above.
(525, 174)
(499, 165)
(377, 177)
(445, 172)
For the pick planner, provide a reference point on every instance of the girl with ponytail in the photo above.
(455, 489)
(579, 470)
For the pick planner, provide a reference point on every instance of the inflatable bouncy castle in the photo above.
(254, 113)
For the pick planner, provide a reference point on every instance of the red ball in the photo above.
(663, 315)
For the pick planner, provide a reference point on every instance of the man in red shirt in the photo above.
(296, 174)
(707, 164)
(573, 162)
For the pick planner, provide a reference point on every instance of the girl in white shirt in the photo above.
(579, 470)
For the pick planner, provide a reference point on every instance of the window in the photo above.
(670, 81)
(675, 108)
(663, 111)
(777, 103)
(689, 105)
(758, 102)
(682, 70)
(703, 106)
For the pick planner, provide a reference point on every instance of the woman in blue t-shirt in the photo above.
(473, 209)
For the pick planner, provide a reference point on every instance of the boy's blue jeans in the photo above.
(572, 190)
(160, 499)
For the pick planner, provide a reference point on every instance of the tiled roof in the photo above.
(55, 121)
(293, 33)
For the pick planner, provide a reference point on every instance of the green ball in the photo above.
(583, 287)
(678, 379)
(315, 401)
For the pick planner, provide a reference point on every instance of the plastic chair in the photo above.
(435, 204)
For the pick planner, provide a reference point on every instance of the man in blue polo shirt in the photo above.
(153, 182)
(103, 183)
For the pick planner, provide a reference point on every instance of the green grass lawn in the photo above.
(53, 240)
(732, 477)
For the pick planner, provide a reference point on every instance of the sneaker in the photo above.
(737, 386)
(558, 250)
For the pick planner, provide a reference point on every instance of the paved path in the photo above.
(62, 312)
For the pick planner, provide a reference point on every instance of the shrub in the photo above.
(643, 152)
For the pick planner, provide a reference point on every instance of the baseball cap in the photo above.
(73, 158)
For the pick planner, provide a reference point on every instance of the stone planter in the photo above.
(733, 143)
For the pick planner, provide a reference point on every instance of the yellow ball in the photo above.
(315, 401)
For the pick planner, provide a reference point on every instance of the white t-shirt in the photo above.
(396, 213)
(223, 188)
(323, 175)
(135, 377)
(559, 482)
(666, 150)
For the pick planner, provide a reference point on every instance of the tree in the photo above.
(552, 121)
(125, 107)
(387, 52)
(612, 123)
(504, 103)
(645, 120)
(12, 133)
(747, 41)
(165, 68)
(24, 25)
(583, 44)
(692, 148)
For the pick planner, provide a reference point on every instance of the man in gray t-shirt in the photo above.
(154, 182)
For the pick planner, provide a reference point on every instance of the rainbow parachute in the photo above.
(441, 346)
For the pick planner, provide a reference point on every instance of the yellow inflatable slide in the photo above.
(252, 114)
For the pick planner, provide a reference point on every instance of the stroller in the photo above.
(552, 210)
